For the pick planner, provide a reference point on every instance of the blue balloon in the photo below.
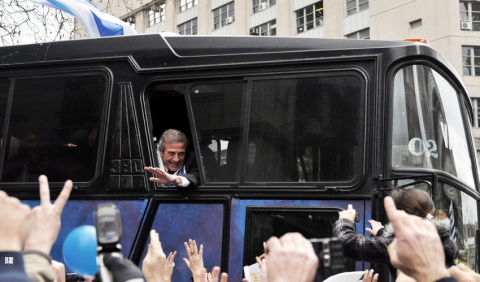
(80, 250)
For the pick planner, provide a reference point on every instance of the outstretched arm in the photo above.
(360, 247)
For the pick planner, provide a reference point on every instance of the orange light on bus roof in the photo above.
(421, 40)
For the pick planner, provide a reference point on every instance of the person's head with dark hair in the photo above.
(413, 201)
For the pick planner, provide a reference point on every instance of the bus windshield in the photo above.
(428, 127)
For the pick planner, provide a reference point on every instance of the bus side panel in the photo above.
(368, 216)
(238, 218)
(80, 212)
(178, 222)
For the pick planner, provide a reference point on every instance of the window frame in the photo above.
(190, 22)
(269, 28)
(81, 71)
(230, 13)
(357, 34)
(295, 210)
(193, 129)
(304, 16)
(255, 8)
(470, 16)
(442, 175)
(184, 5)
(359, 7)
(156, 17)
(243, 149)
(476, 112)
(473, 59)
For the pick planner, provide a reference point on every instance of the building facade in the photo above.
(451, 27)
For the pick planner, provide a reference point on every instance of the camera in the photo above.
(109, 228)
(329, 252)
(108, 224)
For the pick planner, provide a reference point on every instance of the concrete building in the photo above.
(451, 27)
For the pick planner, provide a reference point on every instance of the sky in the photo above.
(25, 22)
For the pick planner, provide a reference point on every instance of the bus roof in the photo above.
(164, 50)
(167, 52)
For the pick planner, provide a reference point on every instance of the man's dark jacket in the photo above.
(191, 169)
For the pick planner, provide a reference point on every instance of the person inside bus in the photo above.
(374, 249)
(178, 167)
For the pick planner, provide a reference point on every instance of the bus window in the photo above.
(265, 222)
(54, 128)
(217, 110)
(428, 128)
(308, 129)
(168, 110)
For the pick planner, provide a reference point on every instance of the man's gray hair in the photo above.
(172, 136)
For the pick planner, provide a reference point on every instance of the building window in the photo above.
(310, 17)
(266, 29)
(361, 34)
(471, 57)
(355, 6)
(188, 28)
(223, 15)
(187, 4)
(156, 14)
(476, 112)
(470, 16)
(260, 5)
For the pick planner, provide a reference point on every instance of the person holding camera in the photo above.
(363, 248)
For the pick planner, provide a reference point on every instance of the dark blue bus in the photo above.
(286, 131)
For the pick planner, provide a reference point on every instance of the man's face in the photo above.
(173, 156)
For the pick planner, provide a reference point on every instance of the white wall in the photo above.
(298, 4)
(156, 28)
(228, 29)
(356, 22)
(218, 3)
(187, 15)
(313, 33)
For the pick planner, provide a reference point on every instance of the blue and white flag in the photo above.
(453, 232)
(96, 22)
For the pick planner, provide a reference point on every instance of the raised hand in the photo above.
(14, 224)
(416, 250)
(369, 277)
(163, 177)
(375, 227)
(214, 276)
(195, 259)
(291, 258)
(169, 266)
(46, 218)
(154, 263)
(350, 213)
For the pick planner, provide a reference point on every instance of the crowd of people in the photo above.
(416, 251)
